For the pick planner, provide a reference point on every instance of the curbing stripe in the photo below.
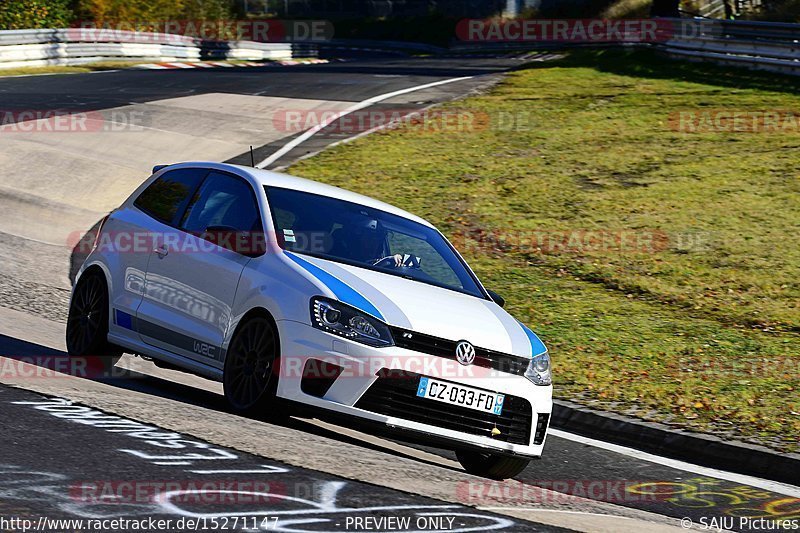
(660, 439)
(214, 64)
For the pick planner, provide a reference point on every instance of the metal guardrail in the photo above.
(74, 46)
(760, 30)
(404, 46)
(759, 45)
(768, 46)
(772, 46)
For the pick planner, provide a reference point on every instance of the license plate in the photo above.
(442, 391)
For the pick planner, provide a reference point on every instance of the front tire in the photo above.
(490, 465)
(250, 377)
(87, 322)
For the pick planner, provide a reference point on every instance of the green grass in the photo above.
(703, 334)
(78, 69)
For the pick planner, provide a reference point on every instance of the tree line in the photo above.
(25, 14)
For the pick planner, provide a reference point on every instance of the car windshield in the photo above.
(353, 234)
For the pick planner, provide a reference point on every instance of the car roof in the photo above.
(277, 179)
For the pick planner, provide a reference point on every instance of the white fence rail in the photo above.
(756, 45)
(23, 48)
(772, 46)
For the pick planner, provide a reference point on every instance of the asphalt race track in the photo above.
(223, 484)
(300, 474)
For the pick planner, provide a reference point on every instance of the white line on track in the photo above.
(764, 484)
(352, 109)
(267, 469)
(540, 510)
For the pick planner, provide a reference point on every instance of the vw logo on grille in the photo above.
(465, 353)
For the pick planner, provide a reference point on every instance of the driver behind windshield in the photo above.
(366, 242)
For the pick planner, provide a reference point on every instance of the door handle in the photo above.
(161, 250)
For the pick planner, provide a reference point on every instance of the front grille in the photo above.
(428, 344)
(394, 394)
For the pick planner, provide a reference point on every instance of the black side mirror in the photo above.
(499, 300)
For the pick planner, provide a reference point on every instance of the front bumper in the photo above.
(377, 385)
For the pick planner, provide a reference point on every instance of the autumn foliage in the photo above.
(23, 14)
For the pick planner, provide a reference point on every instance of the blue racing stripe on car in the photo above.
(519, 340)
(537, 346)
(394, 315)
(344, 292)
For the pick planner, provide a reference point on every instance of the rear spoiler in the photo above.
(158, 167)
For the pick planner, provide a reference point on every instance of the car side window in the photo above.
(167, 196)
(222, 201)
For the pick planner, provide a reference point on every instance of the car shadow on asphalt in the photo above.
(53, 362)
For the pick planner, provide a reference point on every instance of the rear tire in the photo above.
(250, 377)
(490, 465)
(87, 322)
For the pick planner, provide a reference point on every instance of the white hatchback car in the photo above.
(295, 293)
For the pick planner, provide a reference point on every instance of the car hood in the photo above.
(423, 308)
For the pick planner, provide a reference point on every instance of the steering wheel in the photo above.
(386, 262)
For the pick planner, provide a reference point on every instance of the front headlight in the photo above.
(348, 322)
(539, 370)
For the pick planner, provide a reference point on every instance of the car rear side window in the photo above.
(223, 201)
(167, 196)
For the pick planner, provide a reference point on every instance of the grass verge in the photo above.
(92, 67)
(661, 267)
(77, 69)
